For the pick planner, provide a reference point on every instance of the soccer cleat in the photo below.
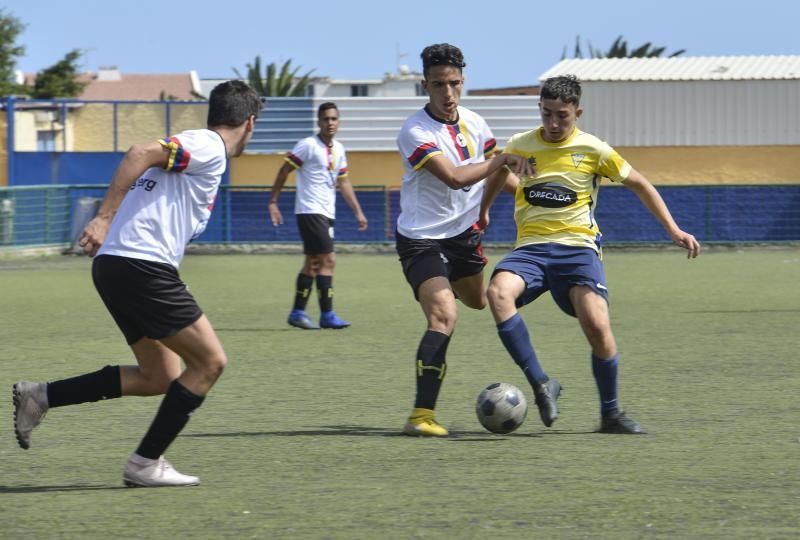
(545, 394)
(143, 472)
(30, 407)
(330, 319)
(616, 422)
(299, 319)
(421, 423)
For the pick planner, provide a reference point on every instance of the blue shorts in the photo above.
(555, 268)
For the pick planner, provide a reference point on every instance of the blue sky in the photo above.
(505, 44)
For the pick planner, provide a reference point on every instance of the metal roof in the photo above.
(688, 68)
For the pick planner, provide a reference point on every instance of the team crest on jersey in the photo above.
(461, 140)
(577, 158)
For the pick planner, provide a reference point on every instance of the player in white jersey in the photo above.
(160, 198)
(321, 165)
(558, 245)
(447, 152)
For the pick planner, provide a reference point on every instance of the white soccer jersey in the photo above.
(428, 207)
(166, 209)
(319, 168)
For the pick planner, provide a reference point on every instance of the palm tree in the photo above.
(619, 49)
(273, 83)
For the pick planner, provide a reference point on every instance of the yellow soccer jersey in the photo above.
(557, 205)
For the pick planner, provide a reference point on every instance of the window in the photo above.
(418, 90)
(309, 91)
(359, 90)
(46, 141)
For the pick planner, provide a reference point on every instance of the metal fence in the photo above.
(54, 215)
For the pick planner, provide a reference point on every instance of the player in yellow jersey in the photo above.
(558, 246)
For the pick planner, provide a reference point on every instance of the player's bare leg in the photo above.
(205, 360)
(503, 291)
(439, 306)
(592, 312)
(470, 291)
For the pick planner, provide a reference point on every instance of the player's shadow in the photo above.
(367, 431)
(262, 329)
(56, 489)
(742, 311)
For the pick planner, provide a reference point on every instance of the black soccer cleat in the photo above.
(616, 422)
(545, 395)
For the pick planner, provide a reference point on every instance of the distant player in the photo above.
(447, 152)
(321, 165)
(160, 198)
(558, 247)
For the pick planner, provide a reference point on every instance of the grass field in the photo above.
(300, 438)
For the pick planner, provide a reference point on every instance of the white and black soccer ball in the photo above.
(501, 407)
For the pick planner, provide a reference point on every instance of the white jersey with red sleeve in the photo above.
(166, 209)
(428, 207)
(319, 167)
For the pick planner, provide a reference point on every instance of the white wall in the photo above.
(693, 113)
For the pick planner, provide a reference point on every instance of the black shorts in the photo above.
(146, 299)
(454, 258)
(316, 231)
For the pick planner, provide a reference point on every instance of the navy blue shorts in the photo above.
(555, 268)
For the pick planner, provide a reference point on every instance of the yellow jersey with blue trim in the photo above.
(558, 204)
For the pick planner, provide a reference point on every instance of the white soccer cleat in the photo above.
(144, 472)
(30, 407)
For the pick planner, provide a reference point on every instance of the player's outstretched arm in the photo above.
(350, 198)
(494, 184)
(136, 161)
(467, 175)
(280, 179)
(650, 197)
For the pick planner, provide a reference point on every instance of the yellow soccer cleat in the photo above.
(421, 423)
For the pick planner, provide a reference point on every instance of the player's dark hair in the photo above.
(231, 103)
(441, 54)
(324, 107)
(567, 88)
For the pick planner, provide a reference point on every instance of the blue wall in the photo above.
(67, 168)
(728, 214)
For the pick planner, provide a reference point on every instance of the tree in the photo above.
(619, 49)
(10, 29)
(60, 79)
(283, 83)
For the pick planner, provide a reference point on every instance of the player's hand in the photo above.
(362, 221)
(687, 242)
(275, 214)
(483, 222)
(519, 165)
(94, 235)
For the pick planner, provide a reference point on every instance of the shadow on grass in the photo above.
(262, 329)
(743, 311)
(48, 489)
(366, 431)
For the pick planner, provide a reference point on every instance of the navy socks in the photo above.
(605, 375)
(514, 335)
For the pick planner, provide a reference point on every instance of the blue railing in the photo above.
(46, 215)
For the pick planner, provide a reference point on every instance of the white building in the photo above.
(689, 101)
(404, 83)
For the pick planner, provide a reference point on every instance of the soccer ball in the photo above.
(501, 407)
